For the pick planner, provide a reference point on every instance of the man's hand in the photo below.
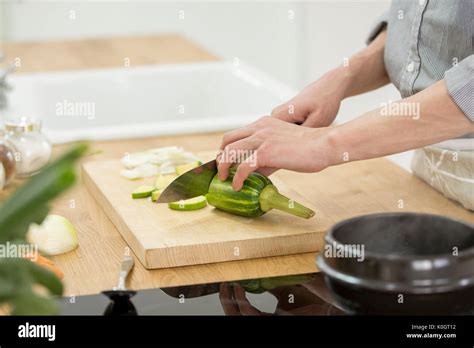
(307, 302)
(273, 143)
(234, 302)
(278, 144)
(317, 105)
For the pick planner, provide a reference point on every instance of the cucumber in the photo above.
(257, 197)
(164, 180)
(155, 195)
(194, 203)
(245, 202)
(258, 286)
(186, 167)
(143, 191)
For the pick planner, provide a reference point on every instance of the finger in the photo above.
(244, 304)
(229, 305)
(290, 112)
(318, 287)
(281, 113)
(236, 134)
(309, 122)
(285, 112)
(243, 171)
(312, 121)
(233, 153)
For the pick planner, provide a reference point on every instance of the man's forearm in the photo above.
(365, 71)
(423, 119)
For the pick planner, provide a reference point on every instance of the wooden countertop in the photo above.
(95, 264)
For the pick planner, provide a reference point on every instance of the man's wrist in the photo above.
(343, 77)
(333, 139)
(326, 147)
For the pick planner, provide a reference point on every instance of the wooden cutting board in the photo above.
(161, 237)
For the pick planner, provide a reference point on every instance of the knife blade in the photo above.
(193, 183)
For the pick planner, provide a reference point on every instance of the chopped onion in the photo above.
(131, 174)
(162, 160)
(56, 235)
(136, 159)
(2, 176)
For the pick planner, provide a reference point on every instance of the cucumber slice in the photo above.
(143, 191)
(188, 166)
(164, 180)
(155, 194)
(194, 203)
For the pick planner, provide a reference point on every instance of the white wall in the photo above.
(294, 41)
(257, 32)
(335, 30)
(2, 24)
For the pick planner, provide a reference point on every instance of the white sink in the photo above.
(144, 101)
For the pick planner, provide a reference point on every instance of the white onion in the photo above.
(161, 160)
(56, 235)
(2, 176)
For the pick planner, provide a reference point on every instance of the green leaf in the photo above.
(14, 276)
(17, 277)
(29, 303)
(27, 205)
(46, 278)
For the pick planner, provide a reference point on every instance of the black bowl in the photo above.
(400, 263)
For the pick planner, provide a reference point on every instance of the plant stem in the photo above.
(270, 198)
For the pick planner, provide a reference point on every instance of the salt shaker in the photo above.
(31, 148)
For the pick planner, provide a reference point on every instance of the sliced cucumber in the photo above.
(143, 191)
(155, 194)
(188, 166)
(164, 180)
(195, 203)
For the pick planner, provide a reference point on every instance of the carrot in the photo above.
(46, 263)
(53, 268)
(39, 258)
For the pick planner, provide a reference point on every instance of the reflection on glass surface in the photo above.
(287, 295)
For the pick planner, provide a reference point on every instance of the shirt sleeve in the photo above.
(460, 82)
(377, 27)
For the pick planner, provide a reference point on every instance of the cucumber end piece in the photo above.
(270, 198)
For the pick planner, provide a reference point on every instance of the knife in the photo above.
(193, 183)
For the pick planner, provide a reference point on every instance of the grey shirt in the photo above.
(428, 40)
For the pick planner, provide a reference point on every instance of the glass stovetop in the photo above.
(295, 294)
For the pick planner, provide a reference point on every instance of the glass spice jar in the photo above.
(7, 164)
(31, 148)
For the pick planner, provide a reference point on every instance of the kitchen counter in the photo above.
(95, 264)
